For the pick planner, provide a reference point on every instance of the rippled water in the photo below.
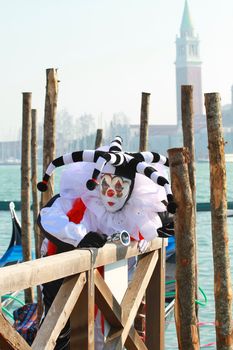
(10, 190)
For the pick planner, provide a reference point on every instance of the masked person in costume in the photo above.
(102, 192)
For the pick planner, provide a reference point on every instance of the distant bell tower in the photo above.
(188, 65)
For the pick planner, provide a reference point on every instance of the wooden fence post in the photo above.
(185, 315)
(49, 127)
(145, 102)
(188, 142)
(222, 279)
(25, 184)
(155, 312)
(99, 138)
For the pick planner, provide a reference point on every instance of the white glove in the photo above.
(143, 245)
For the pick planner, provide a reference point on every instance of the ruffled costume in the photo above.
(139, 214)
(79, 209)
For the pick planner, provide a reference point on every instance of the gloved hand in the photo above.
(143, 245)
(93, 240)
(166, 230)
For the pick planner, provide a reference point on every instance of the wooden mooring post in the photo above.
(35, 201)
(188, 142)
(145, 103)
(49, 127)
(99, 138)
(140, 323)
(222, 279)
(185, 315)
(34, 180)
(25, 184)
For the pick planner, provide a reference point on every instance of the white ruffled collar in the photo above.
(139, 214)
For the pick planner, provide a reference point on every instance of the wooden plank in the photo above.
(91, 310)
(59, 312)
(112, 312)
(31, 273)
(10, 339)
(79, 321)
(132, 300)
(155, 313)
(82, 317)
(106, 301)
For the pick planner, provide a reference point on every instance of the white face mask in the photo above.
(114, 191)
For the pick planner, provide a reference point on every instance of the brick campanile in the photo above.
(188, 65)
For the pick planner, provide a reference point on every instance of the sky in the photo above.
(107, 53)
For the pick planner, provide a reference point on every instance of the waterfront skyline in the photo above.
(107, 53)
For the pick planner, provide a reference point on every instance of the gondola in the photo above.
(170, 279)
(167, 231)
(12, 255)
(14, 252)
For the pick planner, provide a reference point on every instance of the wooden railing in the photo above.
(83, 287)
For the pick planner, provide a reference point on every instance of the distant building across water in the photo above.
(10, 152)
(188, 71)
(188, 66)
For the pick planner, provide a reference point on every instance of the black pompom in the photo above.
(42, 186)
(171, 207)
(162, 181)
(91, 184)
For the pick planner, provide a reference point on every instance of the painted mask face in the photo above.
(114, 191)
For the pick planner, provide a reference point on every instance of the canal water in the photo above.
(10, 191)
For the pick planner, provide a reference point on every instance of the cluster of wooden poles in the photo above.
(183, 182)
(29, 158)
(182, 169)
(29, 163)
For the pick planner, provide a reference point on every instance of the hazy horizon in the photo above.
(107, 53)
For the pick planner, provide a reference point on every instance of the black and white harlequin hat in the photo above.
(117, 162)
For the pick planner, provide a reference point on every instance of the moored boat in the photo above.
(13, 253)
